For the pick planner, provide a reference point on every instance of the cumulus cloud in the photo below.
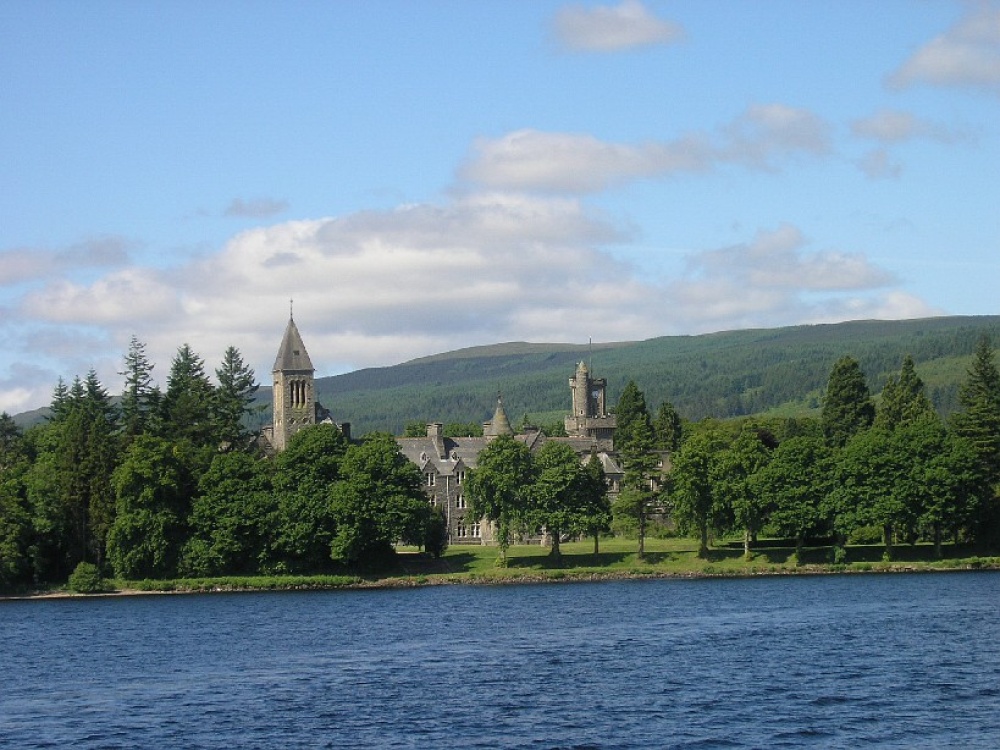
(764, 134)
(34, 264)
(258, 208)
(381, 287)
(966, 55)
(774, 279)
(612, 28)
(570, 162)
(762, 137)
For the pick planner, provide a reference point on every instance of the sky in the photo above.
(420, 177)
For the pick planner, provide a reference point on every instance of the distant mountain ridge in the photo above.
(728, 374)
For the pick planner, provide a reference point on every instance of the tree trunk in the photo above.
(887, 532)
(703, 547)
(799, 543)
(597, 544)
(746, 544)
(937, 541)
(555, 551)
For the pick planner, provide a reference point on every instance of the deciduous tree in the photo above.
(377, 502)
(498, 488)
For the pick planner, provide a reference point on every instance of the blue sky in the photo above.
(422, 177)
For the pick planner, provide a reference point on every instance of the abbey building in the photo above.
(444, 461)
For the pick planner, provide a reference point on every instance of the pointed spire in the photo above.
(292, 354)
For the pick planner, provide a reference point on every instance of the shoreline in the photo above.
(302, 584)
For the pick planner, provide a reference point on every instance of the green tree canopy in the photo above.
(903, 399)
(847, 406)
(979, 419)
(498, 488)
(559, 495)
(232, 400)
(377, 502)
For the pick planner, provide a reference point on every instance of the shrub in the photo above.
(87, 579)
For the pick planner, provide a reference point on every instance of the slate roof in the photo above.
(292, 354)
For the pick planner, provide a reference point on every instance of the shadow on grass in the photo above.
(419, 564)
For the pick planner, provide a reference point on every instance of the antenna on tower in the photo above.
(291, 309)
(590, 352)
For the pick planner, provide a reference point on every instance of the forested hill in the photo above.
(781, 370)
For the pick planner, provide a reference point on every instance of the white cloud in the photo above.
(382, 287)
(34, 264)
(570, 162)
(892, 126)
(765, 134)
(967, 55)
(612, 28)
(762, 137)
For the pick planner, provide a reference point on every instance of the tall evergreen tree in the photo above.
(188, 401)
(667, 426)
(233, 397)
(630, 413)
(140, 396)
(903, 399)
(979, 419)
(847, 406)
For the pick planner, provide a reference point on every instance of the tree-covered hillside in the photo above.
(782, 370)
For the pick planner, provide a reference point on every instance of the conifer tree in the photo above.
(667, 426)
(233, 397)
(140, 396)
(903, 399)
(979, 420)
(187, 403)
(847, 406)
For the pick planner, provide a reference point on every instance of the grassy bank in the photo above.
(617, 560)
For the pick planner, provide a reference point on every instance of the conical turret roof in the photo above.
(500, 424)
(292, 354)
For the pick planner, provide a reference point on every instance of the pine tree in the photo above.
(979, 420)
(667, 426)
(187, 403)
(903, 399)
(233, 397)
(847, 406)
(140, 397)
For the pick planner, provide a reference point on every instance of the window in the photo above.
(475, 531)
(431, 479)
(460, 530)
(460, 501)
(460, 477)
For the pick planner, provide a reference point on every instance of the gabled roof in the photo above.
(292, 354)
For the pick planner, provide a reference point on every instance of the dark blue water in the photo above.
(895, 661)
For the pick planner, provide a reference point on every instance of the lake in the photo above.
(885, 661)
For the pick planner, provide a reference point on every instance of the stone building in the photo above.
(293, 395)
(444, 461)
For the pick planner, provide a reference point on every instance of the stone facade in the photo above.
(445, 461)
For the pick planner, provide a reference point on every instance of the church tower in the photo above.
(293, 396)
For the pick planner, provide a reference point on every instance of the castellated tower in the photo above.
(590, 416)
(293, 395)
